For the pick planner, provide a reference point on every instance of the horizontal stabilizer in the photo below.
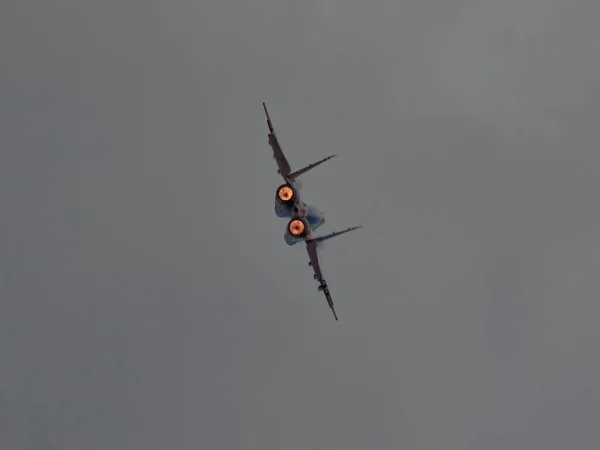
(334, 234)
(297, 173)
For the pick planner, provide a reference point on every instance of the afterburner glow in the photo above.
(297, 227)
(285, 193)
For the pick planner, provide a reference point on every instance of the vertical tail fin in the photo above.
(334, 234)
(297, 173)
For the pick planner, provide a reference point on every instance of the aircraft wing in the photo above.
(311, 248)
(282, 162)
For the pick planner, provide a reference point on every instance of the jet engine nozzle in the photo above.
(298, 227)
(286, 195)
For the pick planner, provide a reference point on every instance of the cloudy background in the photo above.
(148, 300)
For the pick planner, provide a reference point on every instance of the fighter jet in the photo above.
(304, 219)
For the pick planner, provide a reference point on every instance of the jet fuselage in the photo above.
(310, 215)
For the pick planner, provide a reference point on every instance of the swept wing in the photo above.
(311, 248)
(283, 165)
(282, 162)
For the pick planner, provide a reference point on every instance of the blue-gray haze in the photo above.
(148, 301)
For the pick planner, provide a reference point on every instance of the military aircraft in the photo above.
(304, 219)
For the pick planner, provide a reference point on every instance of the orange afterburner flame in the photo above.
(297, 227)
(285, 193)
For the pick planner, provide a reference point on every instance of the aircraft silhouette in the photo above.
(304, 218)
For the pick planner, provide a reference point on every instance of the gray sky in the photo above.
(148, 298)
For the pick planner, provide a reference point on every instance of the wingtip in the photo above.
(334, 313)
(269, 123)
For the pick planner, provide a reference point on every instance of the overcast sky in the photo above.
(148, 300)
